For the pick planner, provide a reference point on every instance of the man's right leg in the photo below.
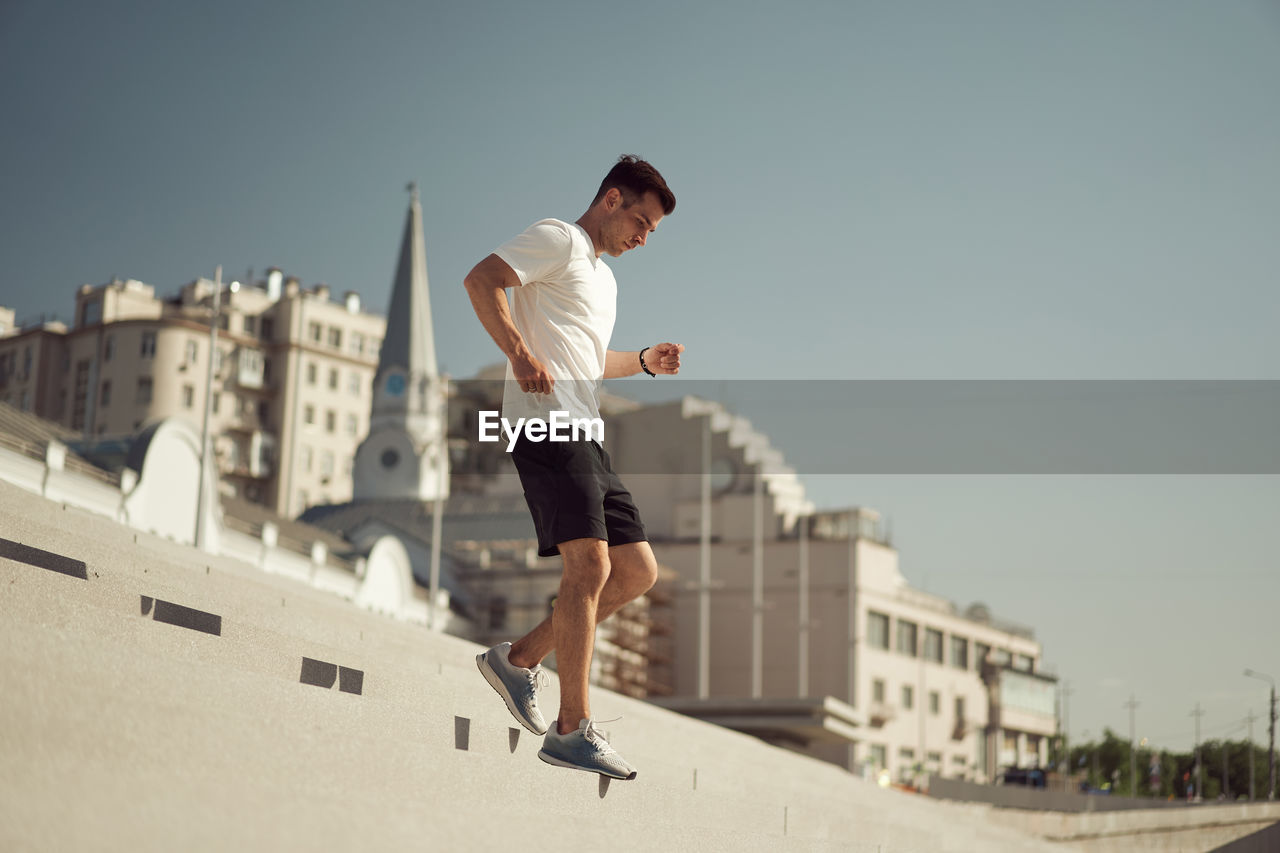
(573, 623)
(573, 740)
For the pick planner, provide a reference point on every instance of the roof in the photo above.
(31, 435)
(467, 517)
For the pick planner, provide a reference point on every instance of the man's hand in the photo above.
(531, 375)
(664, 358)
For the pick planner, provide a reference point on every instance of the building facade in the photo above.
(784, 604)
(292, 379)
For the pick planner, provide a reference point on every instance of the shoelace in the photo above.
(537, 679)
(599, 737)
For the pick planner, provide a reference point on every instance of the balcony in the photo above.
(879, 713)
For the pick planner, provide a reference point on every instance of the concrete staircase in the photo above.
(157, 698)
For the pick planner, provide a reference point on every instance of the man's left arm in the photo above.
(661, 359)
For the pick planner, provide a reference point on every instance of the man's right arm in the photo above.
(486, 285)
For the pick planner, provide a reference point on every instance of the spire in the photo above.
(410, 343)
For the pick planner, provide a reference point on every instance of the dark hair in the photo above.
(634, 177)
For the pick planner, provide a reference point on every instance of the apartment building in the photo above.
(786, 608)
(292, 377)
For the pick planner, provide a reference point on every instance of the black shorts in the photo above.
(573, 493)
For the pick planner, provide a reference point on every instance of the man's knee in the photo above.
(636, 566)
(586, 565)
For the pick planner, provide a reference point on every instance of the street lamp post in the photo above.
(202, 534)
(1271, 748)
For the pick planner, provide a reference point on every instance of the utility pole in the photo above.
(1132, 705)
(1250, 719)
(1271, 748)
(1226, 773)
(1197, 713)
(704, 569)
(1065, 763)
(802, 687)
(757, 588)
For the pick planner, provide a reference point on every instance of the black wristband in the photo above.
(644, 366)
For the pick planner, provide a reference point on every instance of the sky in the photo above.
(866, 191)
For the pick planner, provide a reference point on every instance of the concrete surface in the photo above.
(164, 701)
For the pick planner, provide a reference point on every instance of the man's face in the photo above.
(629, 227)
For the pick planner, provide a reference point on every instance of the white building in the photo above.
(831, 651)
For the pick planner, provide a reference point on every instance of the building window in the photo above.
(1024, 663)
(908, 697)
(264, 410)
(907, 637)
(353, 424)
(326, 464)
(148, 345)
(251, 326)
(316, 332)
(217, 401)
(935, 702)
(330, 420)
(109, 347)
(268, 329)
(353, 384)
(877, 691)
(877, 630)
(188, 396)
(981, 651)
(932, 645)
(335, 337)
(308, 458)
(333, 379)
(105, 397)
(309, 414)
(312, 372)
(193, 352)
(959, 711)
(906, 763)
(357, 343)
(879, 756)
(144, 391)
(959, 652)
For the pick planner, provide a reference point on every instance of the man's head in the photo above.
(632, 199)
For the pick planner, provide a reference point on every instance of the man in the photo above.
(556, 336)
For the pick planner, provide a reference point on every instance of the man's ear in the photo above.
(613, 199)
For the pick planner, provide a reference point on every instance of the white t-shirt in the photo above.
(565, 309)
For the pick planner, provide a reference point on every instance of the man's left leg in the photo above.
(633, 572)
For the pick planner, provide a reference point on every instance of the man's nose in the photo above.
(644, 237)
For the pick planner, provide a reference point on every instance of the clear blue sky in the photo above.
(867, 190)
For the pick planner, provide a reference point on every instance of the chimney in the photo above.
(353, 301)
(322, 292)
(275, 279)
(291, 286)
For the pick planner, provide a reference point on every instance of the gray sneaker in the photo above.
(585, 748)
(516, 685)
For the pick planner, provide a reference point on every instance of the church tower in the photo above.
(404, 455)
